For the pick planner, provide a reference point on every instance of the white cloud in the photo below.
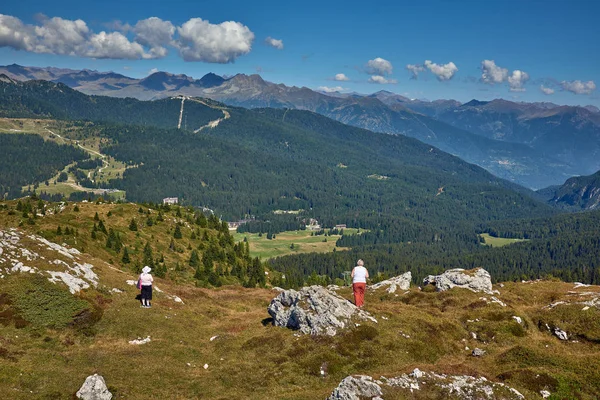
(415, 69)
(199, 40)
(381, 80)
(328, 89)
(15, 34)
(491, 73)
(517, 80)
(546, 90)
(276, 43)
(155, 34)
(579, 87)
(152, 71)
(341, 77)
(61, 36)
(443, 72)
(114, 45)
(379, 66)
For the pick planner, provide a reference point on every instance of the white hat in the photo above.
(146, 269)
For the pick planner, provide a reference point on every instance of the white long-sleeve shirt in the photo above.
(146, 279)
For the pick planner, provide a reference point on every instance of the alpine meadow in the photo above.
(267, 201)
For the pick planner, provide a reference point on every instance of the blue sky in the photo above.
(534, 45)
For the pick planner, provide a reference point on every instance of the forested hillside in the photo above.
(28, 159)
(258, 161)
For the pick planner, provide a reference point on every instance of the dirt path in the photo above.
(77, 186)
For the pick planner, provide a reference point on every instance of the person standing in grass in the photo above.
(146, 286)
(359, 282)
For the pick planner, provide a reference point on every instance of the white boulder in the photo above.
(94, 388)
(401, 282)
(314, 310)
(477, 280)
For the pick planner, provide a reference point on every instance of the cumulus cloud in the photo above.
(341, 77)
(415, 69)
(443, 72)
(579, 87)
(276, 43)
(517, 80)
(155, 34)
(491, 73)
(15, 34)
(198, 40)
(328, 89)
(379, 66)
(114, 45)
(381, 80)
(546, 90)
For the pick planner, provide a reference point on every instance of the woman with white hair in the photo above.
(359, 282)
(145, 282)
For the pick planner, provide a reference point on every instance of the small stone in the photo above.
(562, 335)
(205, 366)
(477, 352)
(545, 394)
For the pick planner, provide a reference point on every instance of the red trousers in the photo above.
(359, 293)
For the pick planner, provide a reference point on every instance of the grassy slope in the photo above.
(421, 329)
(249, 360)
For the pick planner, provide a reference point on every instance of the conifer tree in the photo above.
(148, 258)
(132, 225)
(177, 234)
(125, 259)
(194, 259)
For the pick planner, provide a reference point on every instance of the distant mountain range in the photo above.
(533, 144)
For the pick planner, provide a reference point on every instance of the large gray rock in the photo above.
(314, 310)
(401, 282)
(477, 280)
(356, 388)
(94, 388)
(428, 383)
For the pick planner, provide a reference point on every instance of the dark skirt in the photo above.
(147, 292)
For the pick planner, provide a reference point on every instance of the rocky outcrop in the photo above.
(477, 280)
(314, 310)
(459, 386)
(94, 388)
(356, 388)
(35, 255)
(401, 282)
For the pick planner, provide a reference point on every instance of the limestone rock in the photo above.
(428, 383)
(94, 388)
(562, 335)
(401, 282)
(477, 280)
(356, 388)
(314, 310)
